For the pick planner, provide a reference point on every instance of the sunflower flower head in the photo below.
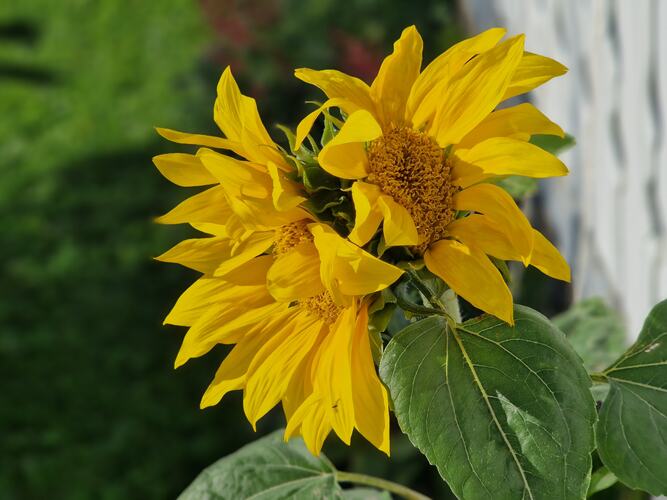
(284, 288)
(296, 251)
(425, 148)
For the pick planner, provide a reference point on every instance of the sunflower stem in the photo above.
(424, 289)
(383, 484)
(417, 309)
(599, 378)
(451, 305)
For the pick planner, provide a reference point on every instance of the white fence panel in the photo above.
(610, 214)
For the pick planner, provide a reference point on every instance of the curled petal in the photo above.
(345, 155)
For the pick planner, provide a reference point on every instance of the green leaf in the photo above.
(595, 331)
(267, 469)
(323, 201)
(632, 431)
(503, 412)
(601, 479)
(553, 144)
(518, 187)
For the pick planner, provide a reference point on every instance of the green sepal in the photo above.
(315, 178)
(320, 202)
(289, 135)
(329, 131)
(380, 312)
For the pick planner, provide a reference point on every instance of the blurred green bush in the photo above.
(91, 407)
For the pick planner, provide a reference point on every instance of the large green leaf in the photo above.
(270, 469)
(595, 331)
(632, 431)
(267, 469)
(502, 412)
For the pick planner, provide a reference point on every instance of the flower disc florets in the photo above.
(412, 168)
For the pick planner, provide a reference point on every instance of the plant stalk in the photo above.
(383, 484)
(598, 378)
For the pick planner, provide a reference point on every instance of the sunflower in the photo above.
(424, 149)
(288, 292)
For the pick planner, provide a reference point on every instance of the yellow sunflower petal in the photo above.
(246, 284)
(392, 85)
(482, 232)
(301, 385)
(346, 269)
(208, 206)
(548, 259)
(239, 178)
(260, 214)
(200, 140)
(476, 91)
(295, 274)
(242, 251)
(201, 254)
(367, 216)
(313, 421)
(533, 70)
(251, 273)
(285, 193)
(231, 375)
(425, 93)
(304, 126)
(497, 205)
(183, 170)
(217, 255)
(333, 374)
(194, 301)
(398, 227)
(272, 367)
(337, 84)
(517, 122)
(506, 156)
(371, 403)
(232, 228)
(238, 118)
(470, 273)
(228, 324)
(345, 155)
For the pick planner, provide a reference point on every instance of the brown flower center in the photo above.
(412, 168)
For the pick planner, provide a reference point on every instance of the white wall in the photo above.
(610, 213)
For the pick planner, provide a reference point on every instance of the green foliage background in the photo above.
(91, 406)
